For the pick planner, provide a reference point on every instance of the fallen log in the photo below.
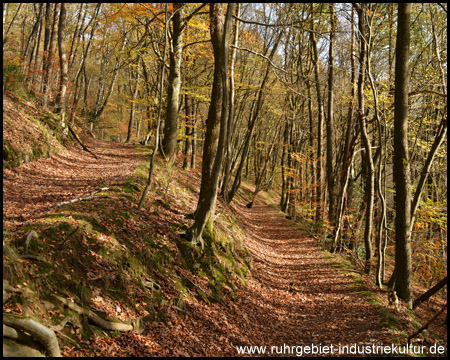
(62, 203)
(430, 292)
(85, 148)
(435, 316)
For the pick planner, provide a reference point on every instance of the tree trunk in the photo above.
(426, 295)
(370, 172)
(403, 269)
(229, 154)
(48, 50)
(330, 124)
(64, 69)
(133, 100)
(346, 181)
(155, 148)
(261, 174)
(187, 132)
(219, 98)
(254, 114)
(169, 142)
(320, 172)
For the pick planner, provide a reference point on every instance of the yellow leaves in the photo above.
(199, 24)
(432, 213)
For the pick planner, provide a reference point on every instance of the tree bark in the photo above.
(169, 142)
(330, 124)
(63, 65)
(213, 155)
(403, 269)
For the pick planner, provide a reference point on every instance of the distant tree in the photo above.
(134, 75)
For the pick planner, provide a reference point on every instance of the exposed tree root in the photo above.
(40, 332)
(97, 320)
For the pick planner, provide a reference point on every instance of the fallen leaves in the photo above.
(324, 308)
(32, 189)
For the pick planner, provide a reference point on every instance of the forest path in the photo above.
(326, 308)
(32, 189)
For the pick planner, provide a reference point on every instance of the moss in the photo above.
(130, 186)
(11, 158)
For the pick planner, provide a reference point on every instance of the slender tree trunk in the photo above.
(403, 269)
(346, 182)
(36, 66)
(284, 181)
(370, 172)
(64, 70)
(194, 134)
(169, 142)
(320, 172)
(133, 100)
(229, 154)
(261, 174)
(6, 30)
(439, 139)
(161, 92)
(102, 97)
(330, 124)
(46, 62)
(254, 115)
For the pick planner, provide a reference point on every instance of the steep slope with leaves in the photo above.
(29, 131)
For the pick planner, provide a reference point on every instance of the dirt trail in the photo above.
(32, 189)
(325, 309)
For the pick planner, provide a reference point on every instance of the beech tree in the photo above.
(216, 129)
(169, 142)
(403, 269)
(63, 64)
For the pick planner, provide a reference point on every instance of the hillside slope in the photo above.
(29, 131)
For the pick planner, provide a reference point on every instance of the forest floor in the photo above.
(295, 296)
(34, 188)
